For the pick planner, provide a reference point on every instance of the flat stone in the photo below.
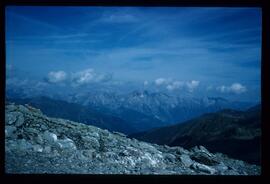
(179, 150)
(204, 158)
(20, 120)
(169, 157)
(31, 130)
(186, 160)
(203, 168)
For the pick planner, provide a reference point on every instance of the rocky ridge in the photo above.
(35, 143)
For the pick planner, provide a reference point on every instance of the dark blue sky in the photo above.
(216, 51)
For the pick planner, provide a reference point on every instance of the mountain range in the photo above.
(163, 108)
(128, 113)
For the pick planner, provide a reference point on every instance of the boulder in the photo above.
(37, 148)
(204, 158)
(10, 118)
(9, 131)
(66, 144)
(49, 137)
(20, 120)
(203, 168)
(169, 157)
(186, 160)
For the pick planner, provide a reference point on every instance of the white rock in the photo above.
(66, 144)
(203, 168)
(50, 137)
(186, 160)
(37, 148)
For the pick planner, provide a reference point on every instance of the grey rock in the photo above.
(10, 118)
(179, 150)
(221, 168)
(49, 137)
(169, 157)
(204, 158)
(68, 147)
(186, 160)
(39, 139)
(120, 134)
(88, 153)
(9, 131)
(91, 142)
(203, 168)
(66, 144)
(24, 145)
(37, 148)
(31, 130)
(20, 120)
(47, 149)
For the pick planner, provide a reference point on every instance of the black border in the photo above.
(265, 72)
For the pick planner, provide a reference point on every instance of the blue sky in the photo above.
(210, 51)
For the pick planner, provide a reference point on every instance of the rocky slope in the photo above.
(35, 143)
(76, 112)
(235, 133)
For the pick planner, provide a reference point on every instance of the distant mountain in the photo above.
(235, 133)
(142, 110)
(157, 107)
(76, 112)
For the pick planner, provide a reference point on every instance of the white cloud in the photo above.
(175, 85)
(161, 81)
(236, 88)
(83, 77)
(119, 18)
(89, 76)
(192, 85)
(58, 76)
